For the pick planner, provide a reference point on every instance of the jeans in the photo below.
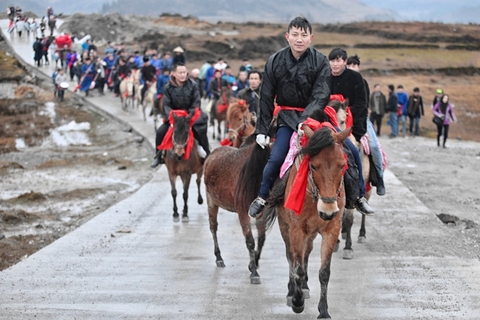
(275, 160)
(61, 94)
(415, 119)
(403, 118)
(358, 162)
(375, 149)
(393, 122)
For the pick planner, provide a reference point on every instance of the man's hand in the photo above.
(263, 140)
(300, 131)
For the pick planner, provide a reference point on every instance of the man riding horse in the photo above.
(181, 93)
(297, 77)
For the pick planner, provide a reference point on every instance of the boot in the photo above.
(256, 207)
(362, 206)
(380, 187)
(158, 159)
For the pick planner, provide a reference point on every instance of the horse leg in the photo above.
(308, 250)
(261, 230)
(362, 237)
(186, 177)
(347, 224)
(284, 230)
(199, 181)
(329, 238)
(219, 130)
(213, 130)
(173, 179)
(212, 219)
(298, 246)
(250, 242)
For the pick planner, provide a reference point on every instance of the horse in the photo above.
(220, 111)
(348, 218)
(149, 97)
(232, 180)
(127, 92)
(321, 212)
(240, 123)
(180, 163)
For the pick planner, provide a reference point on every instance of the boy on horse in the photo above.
(350, 84)
(297, 78)
(181, 93)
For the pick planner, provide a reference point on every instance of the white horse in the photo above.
(149, 98)
(127, 93)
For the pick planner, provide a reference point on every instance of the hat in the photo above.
(439, 91)
(178, 49)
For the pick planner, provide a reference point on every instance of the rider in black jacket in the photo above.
(297, 78)
(181, 93)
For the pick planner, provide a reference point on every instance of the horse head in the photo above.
(340, 108)
(181, 133)
(239, 120)
(326, 168)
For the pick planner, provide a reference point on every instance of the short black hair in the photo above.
(337, 53)
(391, 87)
(255, 71)
(399, 86)
(300, 22)
(176, 65)
(416, 89)
(355, 60)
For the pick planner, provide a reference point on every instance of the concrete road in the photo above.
(133, 262)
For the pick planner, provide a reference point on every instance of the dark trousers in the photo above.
(445, 133)
(61, 94)
(201, 138)
(275, 160)
(376, 118)
(356, 155)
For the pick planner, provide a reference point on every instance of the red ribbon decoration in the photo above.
(226, 142)
(167, 143)
(338, 97)
(296, 197)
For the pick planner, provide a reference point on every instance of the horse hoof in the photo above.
(298, 309)
(347, 254)
(344, 235)
(327, 316)
(200, 200)
(306, 293)
(362, 239)
(289, 301)
(185, 219)
(220, 264)
(255, 280)
(176, 218)
(337, 246)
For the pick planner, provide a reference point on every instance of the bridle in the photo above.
(240, 131)
(176, 145)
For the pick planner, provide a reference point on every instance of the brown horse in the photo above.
(240, 122)
(220, 111)
(177, 165)
(348, 218)
(321, 213)
(232, 180)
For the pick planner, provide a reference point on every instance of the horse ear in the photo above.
(308, 132)
(342, 136)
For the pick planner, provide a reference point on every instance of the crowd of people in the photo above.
(314, 76)
(20, 22)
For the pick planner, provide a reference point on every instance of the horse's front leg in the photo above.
(308, 250)
(219, 130)
(186, 177)
(298, 247)
(250, 243)
(329, 239)
(172, 177)
(362, 237)
(347, 224)
(199, 181)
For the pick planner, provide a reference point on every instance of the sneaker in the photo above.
(201, 152)
(256, 207)
(380, 187)
(362, 206)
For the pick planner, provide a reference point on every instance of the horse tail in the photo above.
(251, 174)
(276, 198)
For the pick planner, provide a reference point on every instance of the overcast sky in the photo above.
(432, 10)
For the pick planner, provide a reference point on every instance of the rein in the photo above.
(240, 131)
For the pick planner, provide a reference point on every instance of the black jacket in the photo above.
(149, 73)
(252, 97)
(351, 85)
(215, 89)
(186, 97)
(301, 83)
(392, 104)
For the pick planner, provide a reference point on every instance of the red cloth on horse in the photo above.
(332, 115)
(222, 107)
(349, 118)
(296, 197)
(63, 40)
(226, 142)
(167, 142)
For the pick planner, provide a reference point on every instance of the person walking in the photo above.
(443, 109)
(402, 97)
(378, 107)
(392, 108)
(297, 78)
(415, 110)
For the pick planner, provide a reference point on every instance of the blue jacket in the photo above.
(403, 101)
(240, 86)
(166, 63)
(162, 80)
(230, 79)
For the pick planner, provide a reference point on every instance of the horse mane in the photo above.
(251, 174)
(235, 108)
(320, 140)
(248, 141)
(320, 116)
